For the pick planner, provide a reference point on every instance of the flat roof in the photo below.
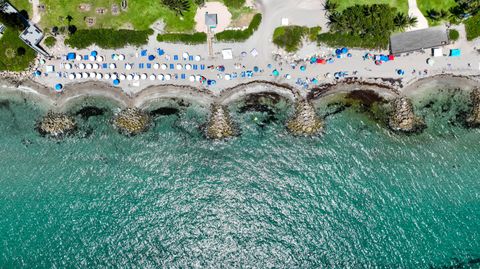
(418, 40)
(211, 19)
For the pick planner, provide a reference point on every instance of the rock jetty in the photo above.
(403, 118)
(220, 125)
(305, 121)
(131, 121)
(474, 119)
(56, 125)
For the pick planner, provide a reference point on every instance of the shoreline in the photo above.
(28, 88)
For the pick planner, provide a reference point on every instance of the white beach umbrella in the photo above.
(227, 77)
(188, 67)
(71, 76)
(84, 75)
(93, 75)
(160, 77)
(81, 66)
(136, 77)
(106, 76)
(198, 58)
(198, 77)
(100, 59)
(430, 61)
(156, 66)
(122, 77)
(129, 77)
(92, 58)
(168, 77)
(114, 76)
(128, 66)
(96, 66)
(115, 57)
(143, 76)
(78, 57)
(179, 66)
(185, 55)
(89, 66)
(164, 67)
(152, 77)
(288, 76)
(192, 78)
(121, 57)
(99, 76)
(68, 66)
(113, 66)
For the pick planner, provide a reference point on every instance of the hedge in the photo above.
(353, 41)
(50, 41)
(108, 38)
(196, 38)
(240, 35)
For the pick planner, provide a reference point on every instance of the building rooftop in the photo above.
(211, 20)
(418, 40)
(32, 37)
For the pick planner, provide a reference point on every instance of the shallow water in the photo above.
(359, 196)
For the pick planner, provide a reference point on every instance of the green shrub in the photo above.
(240, 35)
(50, 41)
(472, 27)
(108, 38)
(196, 38)
(289, 37)
(453, 35)
(354, 41)
(313, 33)
(234, 3)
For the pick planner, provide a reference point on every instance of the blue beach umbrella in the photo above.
(151, 58)
(275, 73)
(303, 68)
(344, 50)
(94, 53)
(255, 69)
(116, 82)
(58, 87)
(37, 73)
(338, 51)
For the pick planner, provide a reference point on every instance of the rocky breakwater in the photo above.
(474, 119)
(220, 125)
(131, 121)
(403, 118)
(305, 121)
(56, 125)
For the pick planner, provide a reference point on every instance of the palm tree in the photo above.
(401, 21)
(330, 6)
(412, 21)
(177, 6)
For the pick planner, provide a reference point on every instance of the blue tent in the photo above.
(455, 53)
(151, 57)
(58, 87)
(71, 56)
(160, 52)
(116, 82)
(94, 53)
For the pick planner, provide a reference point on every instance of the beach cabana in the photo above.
(227, 54)
(175, 57)
(58, 87)
(321, 61)
(437, 52)
(116, 82)
(49, 69)
(143, 53)
(254, 52)
(71, 56)
(455, 53)
(160, 52)
(227, 77)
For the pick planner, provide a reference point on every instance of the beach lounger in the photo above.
(85, 57)
(149, 66)
(175, 57)
(190, 58)
(104, 66)
(183, 76)
(202, 67)
(141, 65)
(194, 67)
(172, 66)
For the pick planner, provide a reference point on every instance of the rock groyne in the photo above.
(56, 125)
(305, 121)
(403, 118)
(220, 124)
(131, 121)
(474, 118)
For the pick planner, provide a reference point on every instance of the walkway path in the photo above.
(36, 14)
(415, 12)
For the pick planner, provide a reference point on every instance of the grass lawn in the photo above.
(425, 5)
(9, 60)
(22, 5)
(140, 14)
(401, 5)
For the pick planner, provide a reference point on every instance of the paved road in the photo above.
(36, 14)
(415, 12)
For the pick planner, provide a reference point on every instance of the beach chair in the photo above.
(194, 67)
(243, 74)
(176, 76)
(183, 76)
(175, 57)
(104, 66)
(85, 57)
(141, 65)
(149, 66)
(143, 53)
(172, 66)
(190, 58)
(202, 67)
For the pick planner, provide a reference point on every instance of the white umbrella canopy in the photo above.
(136, 77)
(164, 67)
(160, 77)
(128, 66)
(78, 57)
(129, 77)
(168, 77)
(122, 76)
(121, 57)
(68, 66)
(71, 76)
(81, 66)
(179, 66)
(430, 61)
(227, 77)
(114, 76)
(92, 58)
(198, 58)
(113, 66)
(185, 55)
(107, 76)
(84, 75)
(99, 76)
(96, 66)
(188, 67)
(93, 75)
(156, 66)
(89, 66)
(100, 59)
(192, 78)
(143, 76)
(198, 77)
(152, 77)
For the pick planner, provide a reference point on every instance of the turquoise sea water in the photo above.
(357, 197)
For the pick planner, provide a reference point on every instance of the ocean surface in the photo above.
(359, 196)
